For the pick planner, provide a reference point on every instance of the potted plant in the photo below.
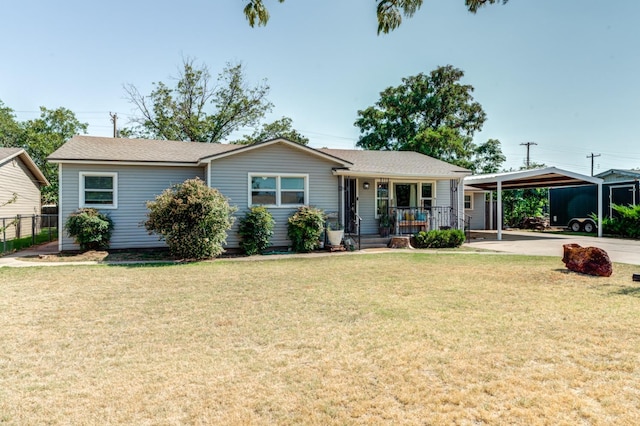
(335, 232)
(384, 225)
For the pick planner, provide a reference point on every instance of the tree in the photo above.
(43, 135)
(433, 114)
(195, 109)
(9, 128)
(389, 12)
(488, 157)
(282, 128)
(192, 218)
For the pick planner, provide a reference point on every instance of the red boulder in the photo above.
(587, 260)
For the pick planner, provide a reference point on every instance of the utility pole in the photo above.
(528, 144)
(114, 120)
(592, 156)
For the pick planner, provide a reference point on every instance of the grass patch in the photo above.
(406, 338)
(44, 236)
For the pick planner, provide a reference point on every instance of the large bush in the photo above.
(192, 218)
(256, 229)
(89, 228)
(304, 228)
(625, 224)
(446, 238)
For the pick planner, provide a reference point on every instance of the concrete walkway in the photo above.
(547, 244)
(513, 242)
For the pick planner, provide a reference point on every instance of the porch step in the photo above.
(373, 242)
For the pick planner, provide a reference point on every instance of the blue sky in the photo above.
(562, 74)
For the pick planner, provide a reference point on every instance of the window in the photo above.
(426, 195)
(99, 190)
(468, 201)
(278, 190)
(382, 197)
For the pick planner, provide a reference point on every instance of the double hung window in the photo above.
(281, 190)
(99, 190)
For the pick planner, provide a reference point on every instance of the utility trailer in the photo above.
(573, 206)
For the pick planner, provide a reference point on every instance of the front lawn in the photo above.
(394, 338)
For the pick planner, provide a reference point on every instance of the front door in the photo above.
(406, 195)
(350, 205)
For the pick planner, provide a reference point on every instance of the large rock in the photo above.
(587, 260)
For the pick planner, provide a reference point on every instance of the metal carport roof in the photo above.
(533, 178)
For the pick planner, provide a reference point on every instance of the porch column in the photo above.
(499, 206)
(490, 210)
(461, 214)
(341, 200)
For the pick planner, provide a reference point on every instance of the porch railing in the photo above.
(411, 220)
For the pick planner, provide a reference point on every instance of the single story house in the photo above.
(21, 180)
(357, 188)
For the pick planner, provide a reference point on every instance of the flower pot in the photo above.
(335, 237)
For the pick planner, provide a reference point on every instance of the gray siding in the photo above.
(367, 206)
(478, 212)
(230, 176)
(136, 186)
(16, 178)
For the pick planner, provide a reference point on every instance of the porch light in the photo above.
(365, 185)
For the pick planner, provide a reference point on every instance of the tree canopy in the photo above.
(40, 137)
(282, 128)
(389, 12)
(196, 108)
(433, 114)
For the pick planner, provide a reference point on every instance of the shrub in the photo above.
(304, 228)
(256, 229)
(447, 238)
(89, 228)
(192, 218)
(626, 224)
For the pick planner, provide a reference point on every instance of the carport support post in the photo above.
(600, 210)
(499, 206)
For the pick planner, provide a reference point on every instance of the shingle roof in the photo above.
(8, 152)
(92, 148)
(396, 163)
(371, 163)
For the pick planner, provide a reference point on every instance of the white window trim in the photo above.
(433, 184)
(278, 189)
(470, 195)
(83, 204)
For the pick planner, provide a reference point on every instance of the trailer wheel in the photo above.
(589, 226)
(575, 226)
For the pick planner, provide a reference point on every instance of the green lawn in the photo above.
(45, 235)
(394, 338)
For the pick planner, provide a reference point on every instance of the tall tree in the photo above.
(196, 108)
(388, 12)
(282, 128)
(488, 157)
(433, 114)
(9, 128)
(45, 134)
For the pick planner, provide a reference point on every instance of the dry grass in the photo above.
(408, 338)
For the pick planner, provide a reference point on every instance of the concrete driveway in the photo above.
(547, 244)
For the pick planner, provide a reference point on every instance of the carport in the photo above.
(548, 177)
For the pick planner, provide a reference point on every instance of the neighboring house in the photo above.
(20, 179)
(118, 176)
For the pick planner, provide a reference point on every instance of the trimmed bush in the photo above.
(192, 218)
(447, 238)
(89, 228)
(256, 229)
(304, 228)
